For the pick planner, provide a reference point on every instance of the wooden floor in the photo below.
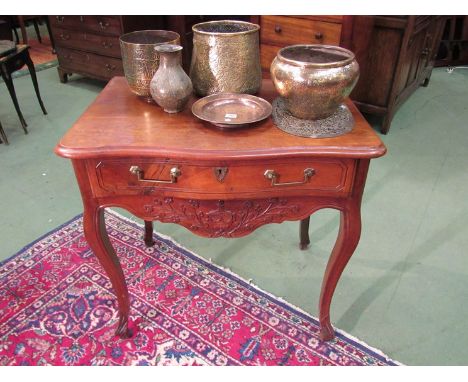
(41, 53)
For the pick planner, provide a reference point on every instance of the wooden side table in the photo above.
(175, 168)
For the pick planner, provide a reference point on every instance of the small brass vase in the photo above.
(170, 87)
(314, 80)
(225, 58)
(140, 60)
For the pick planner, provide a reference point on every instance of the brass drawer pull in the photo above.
(110, 67)
(278, 29)
(103, 25)
(106, 44)
(272, 175)
(60, 18)
(319, 35)
(174, 173)
(64, 36)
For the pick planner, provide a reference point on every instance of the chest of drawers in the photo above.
(89, 45)
(277, 32)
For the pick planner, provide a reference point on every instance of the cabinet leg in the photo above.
(149, 233)
(63, 76)
(386, 123)
(96, 235)
(348, 238)
(304, 233)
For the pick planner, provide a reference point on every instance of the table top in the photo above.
(119, 124)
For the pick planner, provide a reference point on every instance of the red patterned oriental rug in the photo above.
(57, 307)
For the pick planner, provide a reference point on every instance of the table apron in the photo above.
(223, 218)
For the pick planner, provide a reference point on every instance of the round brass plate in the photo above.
(231, 110)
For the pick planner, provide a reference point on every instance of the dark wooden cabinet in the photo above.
(397, 55)
(277, 32)
(183, 26)
(89, 45)
(453, 48)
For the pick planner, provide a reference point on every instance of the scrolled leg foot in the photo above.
(327, 333)
(123, 331)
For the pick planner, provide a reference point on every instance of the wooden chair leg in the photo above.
(16, 35)
(3, 135)
(149, 233)
(304, 233)
(32, 71)
(11, 89)
(51, 37)
(24, 34)
(38, 33)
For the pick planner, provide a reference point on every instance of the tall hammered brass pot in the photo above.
(314, 80)
(226, 58)
(140, 60)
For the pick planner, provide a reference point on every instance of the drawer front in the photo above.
(316, 177)
(283, 31)
(267, 55)
(89, 63)
(89, 42)
(106, 25)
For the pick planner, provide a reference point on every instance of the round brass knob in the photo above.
(319, 35)
(278, 29)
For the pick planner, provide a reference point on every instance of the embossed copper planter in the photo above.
(225, 58)
(140, 60)
(314, 80)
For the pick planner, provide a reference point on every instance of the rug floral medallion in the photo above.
(57, 307)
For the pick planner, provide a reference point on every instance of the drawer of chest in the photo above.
(83, 62)
(107, 25)
(85, 41)
(141, 176)
(283, 31)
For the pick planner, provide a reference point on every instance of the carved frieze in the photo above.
(222, 218)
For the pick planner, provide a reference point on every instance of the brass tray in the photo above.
(231, 110)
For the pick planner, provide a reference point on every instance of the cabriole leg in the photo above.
(96, 235)
(348, 238)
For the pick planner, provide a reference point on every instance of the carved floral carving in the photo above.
(216, 218)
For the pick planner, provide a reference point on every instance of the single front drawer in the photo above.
(107, 25)
(88, 42)
(283, 31)
(82, 62)
(142, 176)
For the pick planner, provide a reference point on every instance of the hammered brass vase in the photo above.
(170, 87)
(140, 60)
(225, 58)
(314, 80)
